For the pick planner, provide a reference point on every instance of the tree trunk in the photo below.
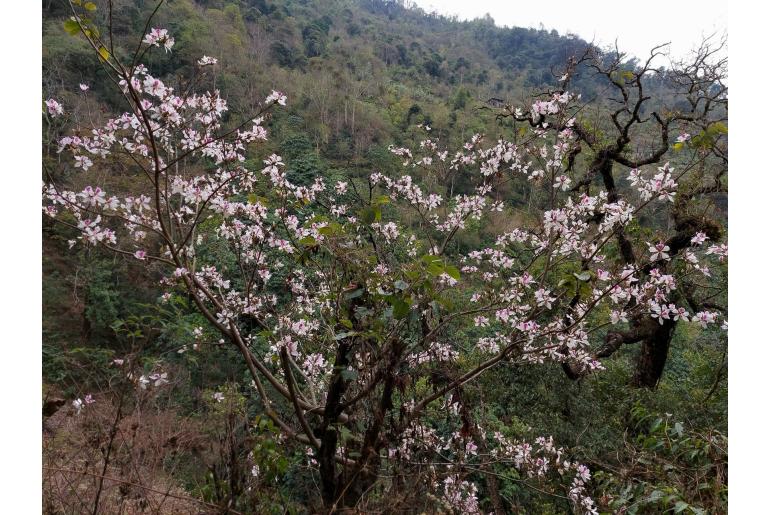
(652, 356)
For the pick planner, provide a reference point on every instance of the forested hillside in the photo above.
(151, 393)
(362, 74)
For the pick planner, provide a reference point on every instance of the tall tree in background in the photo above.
(640, 130)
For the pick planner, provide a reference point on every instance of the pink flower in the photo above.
(83, 162)
(659, 251)
(140, 254)
(54, 108)
(699, 238)
(704, 318)
(583, 473)
(156, 37)
(84, 87)
(618, 316)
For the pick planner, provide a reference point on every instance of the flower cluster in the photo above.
(157, 37)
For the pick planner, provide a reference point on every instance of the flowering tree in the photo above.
(344, 299)
(701, 109)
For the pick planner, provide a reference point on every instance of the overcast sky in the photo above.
(638, 26)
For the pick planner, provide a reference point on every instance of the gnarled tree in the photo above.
(651, 117)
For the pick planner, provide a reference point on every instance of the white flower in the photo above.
(699, 238)
(618, 316)
(276, 96)
(562, 182)
(659, 251)
(158, 36)
(207, 61)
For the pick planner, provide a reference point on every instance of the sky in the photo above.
(680, 22)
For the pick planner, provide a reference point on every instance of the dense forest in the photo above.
(346, 256)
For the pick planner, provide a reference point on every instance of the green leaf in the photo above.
(331, 229)
(718, 127)
(436, 269)
(656, 495)
(308, 241)
(104, 53)
(354, 294)
(446, 302)
(89, 6)
(678, 146)
(452, 272)
(412, 274)
(345, 433)
(400, 308)
(583, 276)
(434, 264)
(72, 27)
(368, 215)
(680, 506)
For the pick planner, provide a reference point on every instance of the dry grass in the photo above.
(126, 461)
